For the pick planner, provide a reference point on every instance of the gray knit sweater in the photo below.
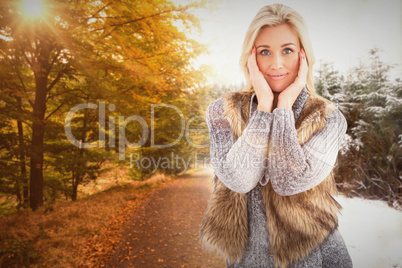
(243, 166)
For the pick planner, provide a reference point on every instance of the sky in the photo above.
(342, 32)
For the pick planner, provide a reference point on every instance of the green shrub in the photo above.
(16, 252)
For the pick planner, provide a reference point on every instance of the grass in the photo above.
(72, 234)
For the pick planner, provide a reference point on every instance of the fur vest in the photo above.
(296, 224)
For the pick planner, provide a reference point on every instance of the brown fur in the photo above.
(296, 224)
(225, 223)
(235, 102)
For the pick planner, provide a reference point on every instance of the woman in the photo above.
(273, 146)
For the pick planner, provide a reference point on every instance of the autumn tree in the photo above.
(132, 51)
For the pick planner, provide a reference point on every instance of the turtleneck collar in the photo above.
(296, 108)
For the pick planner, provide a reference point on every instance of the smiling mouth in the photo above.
(277, 76)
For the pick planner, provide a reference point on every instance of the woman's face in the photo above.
(278, 55)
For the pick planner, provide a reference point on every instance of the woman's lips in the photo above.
(277, 76)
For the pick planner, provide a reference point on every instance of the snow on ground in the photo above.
(372, 232)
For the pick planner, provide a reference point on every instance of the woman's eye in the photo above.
(287, 51)
(264, 52)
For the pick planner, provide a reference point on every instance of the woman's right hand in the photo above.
(264, 93)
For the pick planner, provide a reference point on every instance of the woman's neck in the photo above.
(275, 102)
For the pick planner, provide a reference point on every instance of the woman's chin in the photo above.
(278, 86)
(275, 86)
(277, 89)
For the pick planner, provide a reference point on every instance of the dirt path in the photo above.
(164, 231)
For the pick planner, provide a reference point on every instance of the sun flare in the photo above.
(33, 8)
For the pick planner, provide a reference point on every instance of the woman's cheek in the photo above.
(260, 63)
(295, 63)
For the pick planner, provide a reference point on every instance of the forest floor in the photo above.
(155, 223)
(82, 233)
(116, 222)
(164, 231)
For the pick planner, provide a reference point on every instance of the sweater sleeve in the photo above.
(293, 168)
(239, 164)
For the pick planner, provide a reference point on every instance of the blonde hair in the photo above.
(273, 15)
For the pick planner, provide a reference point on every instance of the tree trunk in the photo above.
(78, 174)
(24, 179)
(23, 176)
(76, 180)
(38, 131)
(17, 190)
(38, 126)
(74, 188)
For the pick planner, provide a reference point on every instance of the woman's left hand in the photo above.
(287, 97)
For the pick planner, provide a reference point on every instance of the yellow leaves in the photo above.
(98, 249)
(152, 38)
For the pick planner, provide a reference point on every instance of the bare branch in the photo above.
(22, 83)
(24, 55)
(54, 60)
(151, 16)
(55, 110)
(61, 93)
(143, 18)
(102, 8)
(54, 82)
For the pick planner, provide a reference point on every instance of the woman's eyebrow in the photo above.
(284, 45)
(264, 46)
(288, 44)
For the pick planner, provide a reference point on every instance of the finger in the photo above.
(252, 63)
(303, 60)
(303, 66)
(252, 66)
(256, 77)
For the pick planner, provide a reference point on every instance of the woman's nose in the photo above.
(277, 62)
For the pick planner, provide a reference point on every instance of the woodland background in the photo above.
(134, 54)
